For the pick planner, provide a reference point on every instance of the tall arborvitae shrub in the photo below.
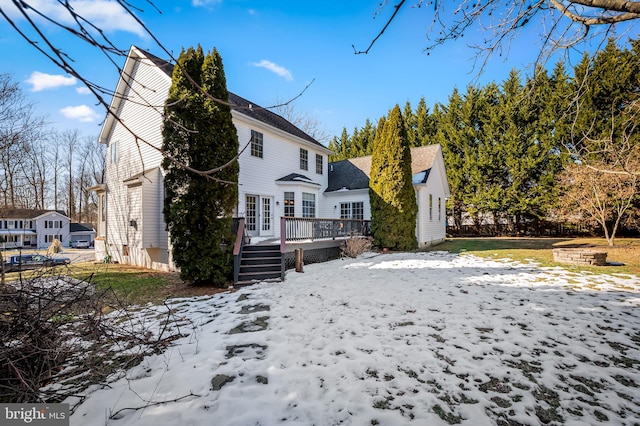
(198, 132)
(393, 200)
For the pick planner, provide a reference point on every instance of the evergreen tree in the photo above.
(450, 135)
(486, 166)
(365, 139)
(334, 146)
(199, 132)
(411, 125)
(393, 202)
(424, 124)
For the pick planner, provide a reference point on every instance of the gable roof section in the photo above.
(296, 178)
(81, 227)
(134, 56)
(138, 177)
(354, 173)
(245, 107)
(346, 174)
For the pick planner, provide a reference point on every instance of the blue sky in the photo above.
(271, 51)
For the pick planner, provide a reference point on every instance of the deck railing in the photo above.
(302, 228)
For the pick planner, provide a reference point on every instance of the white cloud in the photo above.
(81, 113)
(41, 81)
(83, 90)
(107, 15)
(277, 69)
(205, 3)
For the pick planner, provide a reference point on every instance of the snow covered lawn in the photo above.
(420, 339)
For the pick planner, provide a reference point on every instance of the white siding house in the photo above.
(283, 173)
(347, 194)
(281, 167)
(35, 229)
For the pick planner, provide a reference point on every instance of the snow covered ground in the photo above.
(419, 339)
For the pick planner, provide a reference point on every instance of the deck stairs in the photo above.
(260, 263)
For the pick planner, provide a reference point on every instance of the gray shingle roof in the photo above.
(354, 173)
(246, 107)
(346, 174)
(80, 227)
(297, 178)
(25, 213)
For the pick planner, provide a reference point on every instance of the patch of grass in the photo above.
(539, 250)
(450, 418)
(128, 284)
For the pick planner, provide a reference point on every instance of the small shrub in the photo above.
(55, 247)
(355, 246)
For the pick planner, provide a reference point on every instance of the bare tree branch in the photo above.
(89, 33)
(562, 23)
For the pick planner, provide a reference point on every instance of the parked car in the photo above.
(80, 244)
(21, 262)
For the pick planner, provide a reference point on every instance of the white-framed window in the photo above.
(257, 144)
(319, 164)
(353, 210)
(289, 204)
(113, 149)
(11, 224)
(304, 159)
(430, 206)
(308, 205)
(48, 238)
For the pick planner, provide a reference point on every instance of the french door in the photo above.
(259, 215)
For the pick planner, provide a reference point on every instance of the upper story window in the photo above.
(304, 159)
(113, 149)
(257, 144)
(319, 164)
(289, 204)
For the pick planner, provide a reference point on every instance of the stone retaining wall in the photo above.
(578, 256)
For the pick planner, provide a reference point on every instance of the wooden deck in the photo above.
(291, 246)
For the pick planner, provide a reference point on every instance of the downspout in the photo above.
(283, 245)
(107, 258)
(418, 230)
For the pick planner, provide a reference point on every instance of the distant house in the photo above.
(283, 173)
(35, 229)
(347, 193)
(81, 232)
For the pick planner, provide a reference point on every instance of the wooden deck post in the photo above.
(299, 260)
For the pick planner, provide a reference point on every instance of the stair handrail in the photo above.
(237, 249)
